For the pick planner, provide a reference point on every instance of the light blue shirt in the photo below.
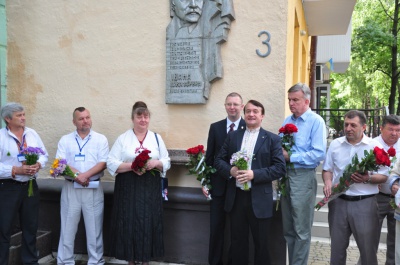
(310, 140)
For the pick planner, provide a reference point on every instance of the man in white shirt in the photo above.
(86, 153)
(14, 182)
(356, 211)
(390, 133)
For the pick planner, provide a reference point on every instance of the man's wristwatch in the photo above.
(369, 178)
(76, 174)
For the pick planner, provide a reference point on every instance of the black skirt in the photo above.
(137, 217)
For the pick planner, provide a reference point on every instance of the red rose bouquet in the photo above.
(286, 132)
(197, 166)
(139, 164)
(372, 160)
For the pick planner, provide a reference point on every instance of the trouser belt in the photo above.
(71, 180)
(387, 195)
(13, 181)
(355, 198)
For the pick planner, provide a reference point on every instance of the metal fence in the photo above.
(334, 119)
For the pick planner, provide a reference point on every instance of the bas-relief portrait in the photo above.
(193, 48)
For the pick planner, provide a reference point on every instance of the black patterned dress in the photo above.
(137, 217)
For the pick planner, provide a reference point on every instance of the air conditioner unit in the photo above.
(318, 74)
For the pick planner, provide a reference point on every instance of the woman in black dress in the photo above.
(136, 224)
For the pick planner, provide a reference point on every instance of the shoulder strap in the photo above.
(158, 143)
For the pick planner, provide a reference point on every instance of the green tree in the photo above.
(374, 51)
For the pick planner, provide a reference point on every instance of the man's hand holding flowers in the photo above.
(356, 172)
(197, 166)
(242, 176)
(29, 170)
(240, 162)
(31, 164)
(61, 167)
(82, 178)
(286, 133)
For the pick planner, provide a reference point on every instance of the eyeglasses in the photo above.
(232, 104)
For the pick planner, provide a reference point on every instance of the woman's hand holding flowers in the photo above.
(152, 164)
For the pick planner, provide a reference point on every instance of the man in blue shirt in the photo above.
(308, 151)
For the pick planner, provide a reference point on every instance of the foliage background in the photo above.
(371, 80)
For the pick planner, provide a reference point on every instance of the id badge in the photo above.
(80, 157)
(21, 158)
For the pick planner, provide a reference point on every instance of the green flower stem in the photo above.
(31, 160)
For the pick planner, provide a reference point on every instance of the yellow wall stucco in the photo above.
(105, 55)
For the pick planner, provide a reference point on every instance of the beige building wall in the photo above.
(105, 55)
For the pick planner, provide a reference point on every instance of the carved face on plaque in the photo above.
(189, 11)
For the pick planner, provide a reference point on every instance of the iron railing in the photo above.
(334, 119)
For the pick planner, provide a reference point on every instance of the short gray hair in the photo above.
(8, 110)
(303, 88)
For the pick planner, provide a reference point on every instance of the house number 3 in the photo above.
(265, 42)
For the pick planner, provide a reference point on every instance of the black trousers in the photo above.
(242, 219)
(14, 200)
(276, 240)
(217, 229)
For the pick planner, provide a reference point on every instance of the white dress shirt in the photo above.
(340, 154)
(385, 187)
(123, 151)
(229, 122)
(94, 148)
(9, 151)
(248, 143)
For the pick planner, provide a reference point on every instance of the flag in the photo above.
(329, 64)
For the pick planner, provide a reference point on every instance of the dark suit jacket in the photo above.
(216, 137)
(268, 164)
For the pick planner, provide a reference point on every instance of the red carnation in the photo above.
(392, 151)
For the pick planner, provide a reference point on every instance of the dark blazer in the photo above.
(216, 137)
(268, 164)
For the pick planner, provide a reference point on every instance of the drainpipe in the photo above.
(313, 64)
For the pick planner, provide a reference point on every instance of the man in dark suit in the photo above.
(216, 137)
(253, 208)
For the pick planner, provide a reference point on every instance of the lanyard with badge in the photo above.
(21, 146)
(80, 156)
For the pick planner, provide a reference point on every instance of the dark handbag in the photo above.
(164, 181)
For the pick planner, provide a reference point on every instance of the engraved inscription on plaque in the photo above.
(193, 56)
(184, 79)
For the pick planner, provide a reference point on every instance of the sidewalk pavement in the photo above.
(319, 255)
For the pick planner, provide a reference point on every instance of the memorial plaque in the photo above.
(185, 82)
(193, 59)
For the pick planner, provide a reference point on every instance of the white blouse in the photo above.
(124, 151)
